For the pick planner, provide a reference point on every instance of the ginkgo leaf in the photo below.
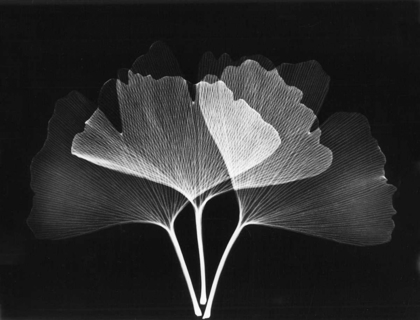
(308, 76)
(75, 197)
(350, 202)
(298, 156)
(243, 138)
(165, 136)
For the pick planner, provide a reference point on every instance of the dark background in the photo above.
(370, 50)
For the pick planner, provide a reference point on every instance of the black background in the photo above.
(370, 50)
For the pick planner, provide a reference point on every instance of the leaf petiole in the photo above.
(184, 268)
(198, 224)
(229, 246)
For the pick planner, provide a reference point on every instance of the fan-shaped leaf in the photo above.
(349, 202)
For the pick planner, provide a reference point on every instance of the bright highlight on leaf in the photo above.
(300, 154)
(149, 148)
(242, 136)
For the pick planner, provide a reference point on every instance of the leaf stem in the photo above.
(229, 246)
(198, 224)
(178, 251)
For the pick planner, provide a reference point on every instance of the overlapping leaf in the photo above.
(165, 138)
(349, 202)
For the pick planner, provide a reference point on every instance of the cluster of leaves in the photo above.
(155, 143)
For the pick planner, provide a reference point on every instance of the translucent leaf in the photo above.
(348, 202)
(75, 197)
(243, 138)
(300, 154)
(165, 139)
(159, 137)
(308, 77)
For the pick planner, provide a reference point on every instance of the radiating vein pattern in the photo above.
(74, 196)
(166, 136)
(349, 203)
(242, 136)
(300, 154)
(325, 181)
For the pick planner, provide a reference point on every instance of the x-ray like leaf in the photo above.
(165, 138)
(300, 154)
(350, 202)
(74, 196)
(243, 138)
